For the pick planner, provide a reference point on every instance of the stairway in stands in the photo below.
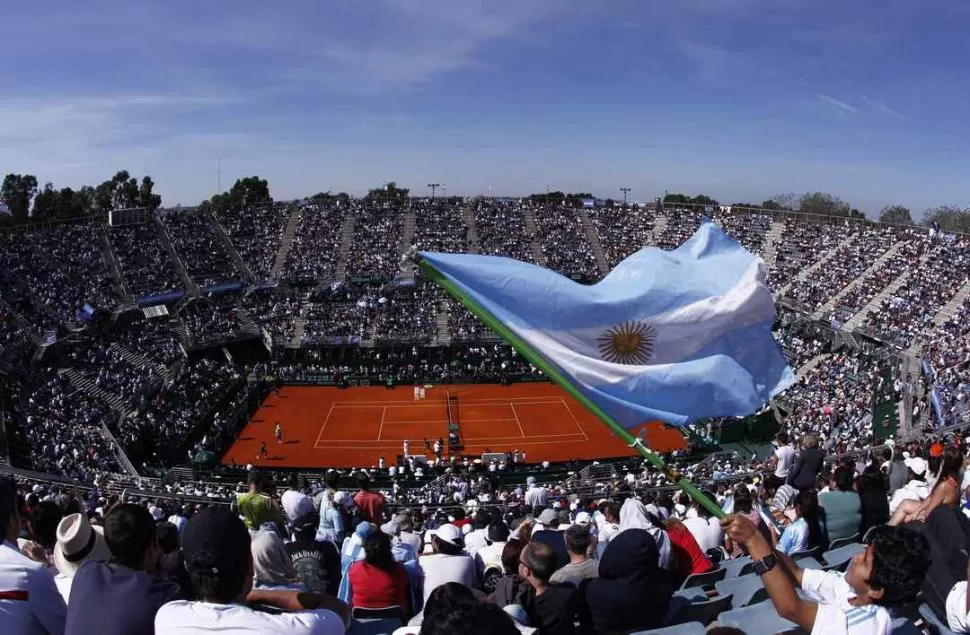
(289, 233)
(114, 266)
(950, 309)
(81, 382)
(408, 227)
(659, 225)
(441, 318)
(859, 318)
(531, 229)
(299, 325)
(468, 215)
(226, 241)
(140, 361)
(807, 367)
(594, 242)
(770, 247)
(162, 232)
(809, 271)
(346, 242)
(878, 264)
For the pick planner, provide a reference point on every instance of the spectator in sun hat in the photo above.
(216, 547)
(352, 551)
(123, 595)
(916, 487)
(406, 533)
(30, 601)
(77, 542)
(447, 563)
(272, 567)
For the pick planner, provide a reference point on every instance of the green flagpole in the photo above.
(560, 379)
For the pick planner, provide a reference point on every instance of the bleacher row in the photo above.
(358, 245)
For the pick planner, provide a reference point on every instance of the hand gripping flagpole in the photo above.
(561, 380)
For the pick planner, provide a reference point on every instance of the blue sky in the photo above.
(739, 99)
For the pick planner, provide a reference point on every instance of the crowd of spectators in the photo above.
(62, 270)
(907, 314)
(622, 230)
(63, 428)
(214, 318)
(276, 312)
(562, 237)
(501, 230)
(108, 368)
(681, 225)
(200, 248)
(158, 433)
(151, 338)
(908, 252)
(464, 326)
(313, 253)
(348, 321)
(408, 314)
(376, 249)
(748, 228)
(439, 226)
(255, 233)
(850, 260)
(146, 268)
(802, 245)
(480, 554)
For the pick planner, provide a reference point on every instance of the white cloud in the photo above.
(881, 107)
(837, 103)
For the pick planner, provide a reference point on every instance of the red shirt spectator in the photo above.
(690, 558)
(375, 588)
(371, 506)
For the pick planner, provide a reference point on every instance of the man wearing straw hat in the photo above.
(77, 542)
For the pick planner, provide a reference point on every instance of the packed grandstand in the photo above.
(133, 353)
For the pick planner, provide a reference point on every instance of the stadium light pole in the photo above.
(433, 187)
(624, 190)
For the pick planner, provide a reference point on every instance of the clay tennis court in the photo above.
(329, 427)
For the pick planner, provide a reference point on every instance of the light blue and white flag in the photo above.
(676, 336)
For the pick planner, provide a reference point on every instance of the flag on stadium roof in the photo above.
(677, 336)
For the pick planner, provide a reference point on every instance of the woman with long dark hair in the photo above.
(945, 492)
(378, 581)
(805, 532)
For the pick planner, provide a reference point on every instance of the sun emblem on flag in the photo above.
(627, 343)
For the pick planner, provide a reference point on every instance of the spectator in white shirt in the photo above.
(295, 503)
(536, 496)
(448, 563)
(916, 487)
(477, 538)
(781, 460)
(29, 601)
(216, 547)
(706, 530)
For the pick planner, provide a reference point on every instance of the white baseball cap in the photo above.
(916, 464)
(449, 533)
(582, 518)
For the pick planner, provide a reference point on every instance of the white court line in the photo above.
(517, 422)
(435, 402)
(380, 430)
(507, 438)
(575, 420)
(446, 421)
(324, 426)
(475, 443)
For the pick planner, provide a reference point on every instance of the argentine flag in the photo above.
(676, 336)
